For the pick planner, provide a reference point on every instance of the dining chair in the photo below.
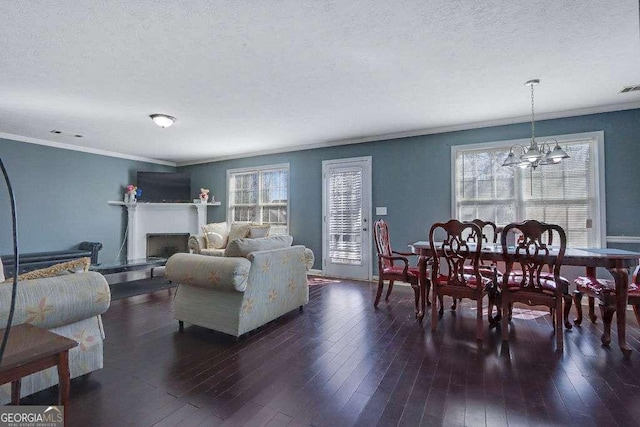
(605, 291)
(393, 265)
(462, 258)
(537, 281)
(489, 235)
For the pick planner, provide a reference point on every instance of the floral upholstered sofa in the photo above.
(215, 236)
(69, 305)
(258, 280)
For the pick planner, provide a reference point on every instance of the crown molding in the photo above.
(334, 143)
(71, 147)
(422, 132)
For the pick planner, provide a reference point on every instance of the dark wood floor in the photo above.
(342, 363)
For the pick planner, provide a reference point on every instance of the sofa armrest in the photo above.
(56, 301)
(309, 258)
(196, 243)
(219, 273)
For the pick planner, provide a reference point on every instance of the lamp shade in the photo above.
(162, 120)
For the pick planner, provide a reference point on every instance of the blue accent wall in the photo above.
(61, 198)
(62, 195)
(412, 176)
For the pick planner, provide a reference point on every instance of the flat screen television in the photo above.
(164, 187)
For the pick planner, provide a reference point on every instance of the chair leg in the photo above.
(441, 302)
(434, 312)
(416, 292)
(577, 299)
(479, 318)
(559, 330)
(567, 309)
(379, 293)
(389, 290)
(592, 310)
(506, 317)
(454, 306)
(180, 325)
(636, 311)
(607, 310)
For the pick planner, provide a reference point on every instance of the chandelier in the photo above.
(535, 154)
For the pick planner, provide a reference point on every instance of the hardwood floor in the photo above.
(343, 363)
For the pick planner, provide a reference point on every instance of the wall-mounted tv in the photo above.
(164, 187)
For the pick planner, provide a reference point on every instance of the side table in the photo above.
(31, 349)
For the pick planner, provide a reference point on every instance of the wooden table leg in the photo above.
(15, 391)
(621, 276)
(63, 378)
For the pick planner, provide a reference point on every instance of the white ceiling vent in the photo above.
(628, 89)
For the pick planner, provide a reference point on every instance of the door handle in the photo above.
(364, 229)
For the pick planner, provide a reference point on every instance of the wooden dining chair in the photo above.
(462, 258)
(489, 235)
(393, 265)
(605, 291)
(537, 281)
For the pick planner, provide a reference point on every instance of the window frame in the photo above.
(599, 163)
(259, 170)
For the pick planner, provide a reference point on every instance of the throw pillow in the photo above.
(243, 247)
(256, 231)
(239, 230)
(75, 266)
(215, 235)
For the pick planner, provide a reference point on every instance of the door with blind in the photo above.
(346, 194)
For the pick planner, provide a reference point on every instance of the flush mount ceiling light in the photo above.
(162, 120)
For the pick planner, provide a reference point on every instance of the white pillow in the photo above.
(239, 230)
(256, 231)
(215, 235)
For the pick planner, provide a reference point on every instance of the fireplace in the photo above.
(163, 245)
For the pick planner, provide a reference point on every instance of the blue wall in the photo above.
(61, 197)
(412, 176)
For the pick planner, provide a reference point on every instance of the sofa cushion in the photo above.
(239, 230)
(256, 231)
(79, 265)
(213, 252)
(243, 247)
(215, 235)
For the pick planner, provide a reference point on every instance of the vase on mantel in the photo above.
(131, 196)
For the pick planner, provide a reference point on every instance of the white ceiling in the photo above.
(247, 77)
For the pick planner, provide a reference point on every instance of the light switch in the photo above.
(381, 210)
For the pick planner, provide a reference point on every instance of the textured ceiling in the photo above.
(247, 77)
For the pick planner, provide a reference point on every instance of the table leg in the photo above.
(621, 276)
(15, 391)
(63, 378)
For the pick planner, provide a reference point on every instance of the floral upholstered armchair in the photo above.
(69, 305)
(257, 280)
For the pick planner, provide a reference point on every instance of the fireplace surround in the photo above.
(161, 218)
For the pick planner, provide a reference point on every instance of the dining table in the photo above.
(617, 261)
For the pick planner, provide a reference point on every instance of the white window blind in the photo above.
(569, 194)
(345, 216)
(260, 195)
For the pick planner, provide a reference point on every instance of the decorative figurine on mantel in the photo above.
(204, 195)
(132, 194)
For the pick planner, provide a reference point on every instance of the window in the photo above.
(570, 194)
(260, 195)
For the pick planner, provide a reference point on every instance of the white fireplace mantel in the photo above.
(153, 218)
